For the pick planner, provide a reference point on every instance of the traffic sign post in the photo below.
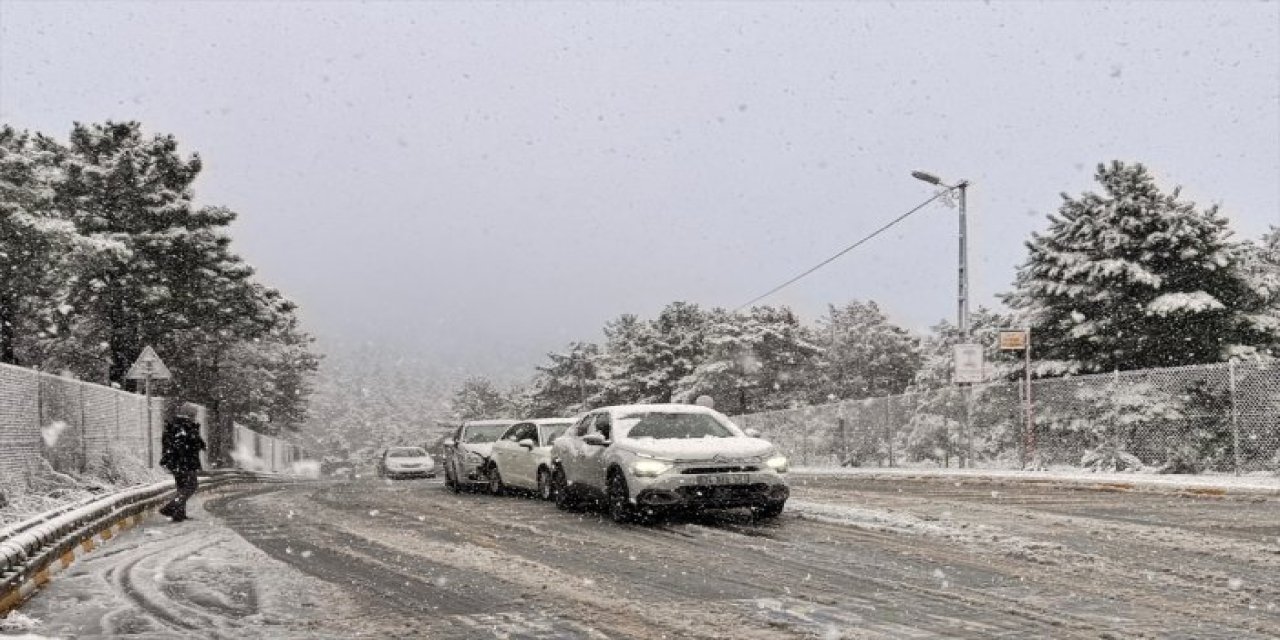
(1021, 341)
(149, 367)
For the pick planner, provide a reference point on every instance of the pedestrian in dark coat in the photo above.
(180, 449)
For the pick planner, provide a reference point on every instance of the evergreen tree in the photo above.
(567, 384)
(40, 250)
(755, 361)
(1133, 277)
(864, 354)
(478, 398)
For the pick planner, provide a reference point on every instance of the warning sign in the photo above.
(1013, 340)
(148, 365)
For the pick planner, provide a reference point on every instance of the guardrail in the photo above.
(29, 547)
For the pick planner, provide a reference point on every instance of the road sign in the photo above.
(148, 365)
(968, 363)
(1013, 340)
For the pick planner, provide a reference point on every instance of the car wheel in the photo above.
(546, 490)
(621, 509)
(768, 510)
(496, 487)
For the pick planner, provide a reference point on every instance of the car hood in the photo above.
(697, 449)
(483, 448)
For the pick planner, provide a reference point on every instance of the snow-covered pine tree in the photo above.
(135, 190)
(1262, 268)
(758, 360)
(1133, 277)
(567, 384)
(479, 398)
(864, 354)
(33, 240)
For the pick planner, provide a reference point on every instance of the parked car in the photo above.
(406, 462)
(466, 452)
(642, 460)
(521, 458)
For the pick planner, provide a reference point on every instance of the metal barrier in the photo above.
(1219, 417)
(29, 547)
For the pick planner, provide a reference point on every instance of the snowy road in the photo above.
(854, 558)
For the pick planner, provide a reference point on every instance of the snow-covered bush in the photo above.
(1109, 458)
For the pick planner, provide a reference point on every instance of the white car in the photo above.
(642, 460)
(406, 462)
(521, 458)
(466, 452)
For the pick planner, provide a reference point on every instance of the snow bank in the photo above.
(1257, 484)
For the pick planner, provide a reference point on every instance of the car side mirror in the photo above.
(752, 433)
(526, 443)
(595, 440)
(450, 442)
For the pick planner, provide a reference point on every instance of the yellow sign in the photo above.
(1013, 340)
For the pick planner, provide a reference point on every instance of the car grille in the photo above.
(736, 469)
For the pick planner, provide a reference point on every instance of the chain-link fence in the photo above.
(258, 452)
(52, 426)
(1220, 417)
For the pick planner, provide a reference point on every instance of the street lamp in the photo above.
(963, 311)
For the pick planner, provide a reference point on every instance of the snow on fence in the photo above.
(51, 425)
(1219, 417)
(257, 452)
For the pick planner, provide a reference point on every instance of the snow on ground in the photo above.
(1260, 484)
(190, 579)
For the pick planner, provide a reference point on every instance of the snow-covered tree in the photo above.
(40, 250)
(567, 384)
(118, 184)
(758, 360)
(864, 354)
(1261, 264)
(479, 398)
(1133, 277)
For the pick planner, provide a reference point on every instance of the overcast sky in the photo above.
(483, 183)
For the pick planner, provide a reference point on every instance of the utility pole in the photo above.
(962, 299)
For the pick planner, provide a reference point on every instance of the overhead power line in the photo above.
(845, 250)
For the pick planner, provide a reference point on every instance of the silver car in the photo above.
(466, 453)
(642, 460)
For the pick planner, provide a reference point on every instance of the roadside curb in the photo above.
(49, 557)
(1190, 486)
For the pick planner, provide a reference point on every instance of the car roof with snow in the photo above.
(662, 408)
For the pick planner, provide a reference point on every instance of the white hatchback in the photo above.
(521, 458)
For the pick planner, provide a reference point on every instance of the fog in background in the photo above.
(479, 184)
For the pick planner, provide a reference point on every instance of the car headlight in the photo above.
(778, 463)
(472, 456)
(649, 468)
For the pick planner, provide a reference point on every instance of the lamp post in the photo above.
(963, 298)
(963, 311)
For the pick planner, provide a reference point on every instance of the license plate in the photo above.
(722, 479)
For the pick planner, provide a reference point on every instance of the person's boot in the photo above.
(167, 510)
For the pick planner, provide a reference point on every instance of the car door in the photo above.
(591, 460)
(528, 464)
(571, 458)
(504, 450)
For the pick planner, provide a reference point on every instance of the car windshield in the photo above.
(407, 452)
(550, 432)
(481, 433)
(667, 426)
